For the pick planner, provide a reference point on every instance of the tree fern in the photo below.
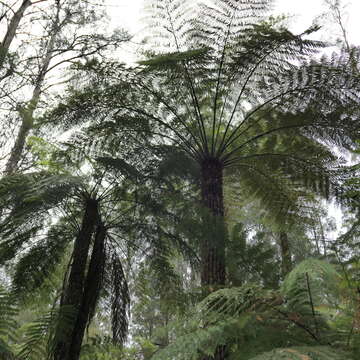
(229, 83)
(211, 97)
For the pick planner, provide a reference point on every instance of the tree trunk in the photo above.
(74, 290)
(91, 293)
(27, 112)
(213, 271)
(286, 263)
(323, 237)
(213, 247)
(18, 148)
(11, 30)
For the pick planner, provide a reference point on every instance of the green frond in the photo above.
(120, 165)
(221, 318)
(117, 288)
(175, 162)
(311, 289)
(32, 197)
(323, 277)
(8, 325)
(40, 262)
(161, 62)
(41, 336)
(36, 192)
(252, 258)
(304, 353)
(202, 341)
(97, 348)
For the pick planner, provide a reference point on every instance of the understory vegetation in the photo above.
(179, 206)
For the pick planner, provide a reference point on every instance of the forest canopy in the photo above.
(178, 206)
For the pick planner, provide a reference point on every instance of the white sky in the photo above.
(128, 14)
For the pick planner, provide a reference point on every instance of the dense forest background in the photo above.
(176, 206)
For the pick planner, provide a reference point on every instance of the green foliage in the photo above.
(304, 353)
(40, 337)
(323, 279)
(217, 320)
(28, 200)
(250, 319)
(252, 259)
(97, 348)
(224, 83)
(8, 324)
(44, 152)
(38, 265)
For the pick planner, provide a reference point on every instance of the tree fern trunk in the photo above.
(213, 246)
(213, 271)
(91, 293)
(74, 289)
(286, 263)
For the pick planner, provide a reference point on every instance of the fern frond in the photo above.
(324, 278)
(117, 288)
(39, 263)
(8, 325)
(41, 336)
(304, 353)
(97, 348)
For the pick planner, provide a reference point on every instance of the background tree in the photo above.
(67, 37)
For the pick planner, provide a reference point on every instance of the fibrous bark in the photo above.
(213, 247)
(73, 293)
(91, 293)
(213, 271)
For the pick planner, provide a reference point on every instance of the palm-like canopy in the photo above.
(228, 86)
(224, 71)
(216, 91)
(42, 225)
(104, 213)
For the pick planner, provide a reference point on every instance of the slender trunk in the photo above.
(323, 237)
(27, 112)
(286, 262)
(74, 289)
(91, 293)
(213, 271)
(11, 30)
(316, 243)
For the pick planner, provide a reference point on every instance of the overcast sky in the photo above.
(128, 14)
